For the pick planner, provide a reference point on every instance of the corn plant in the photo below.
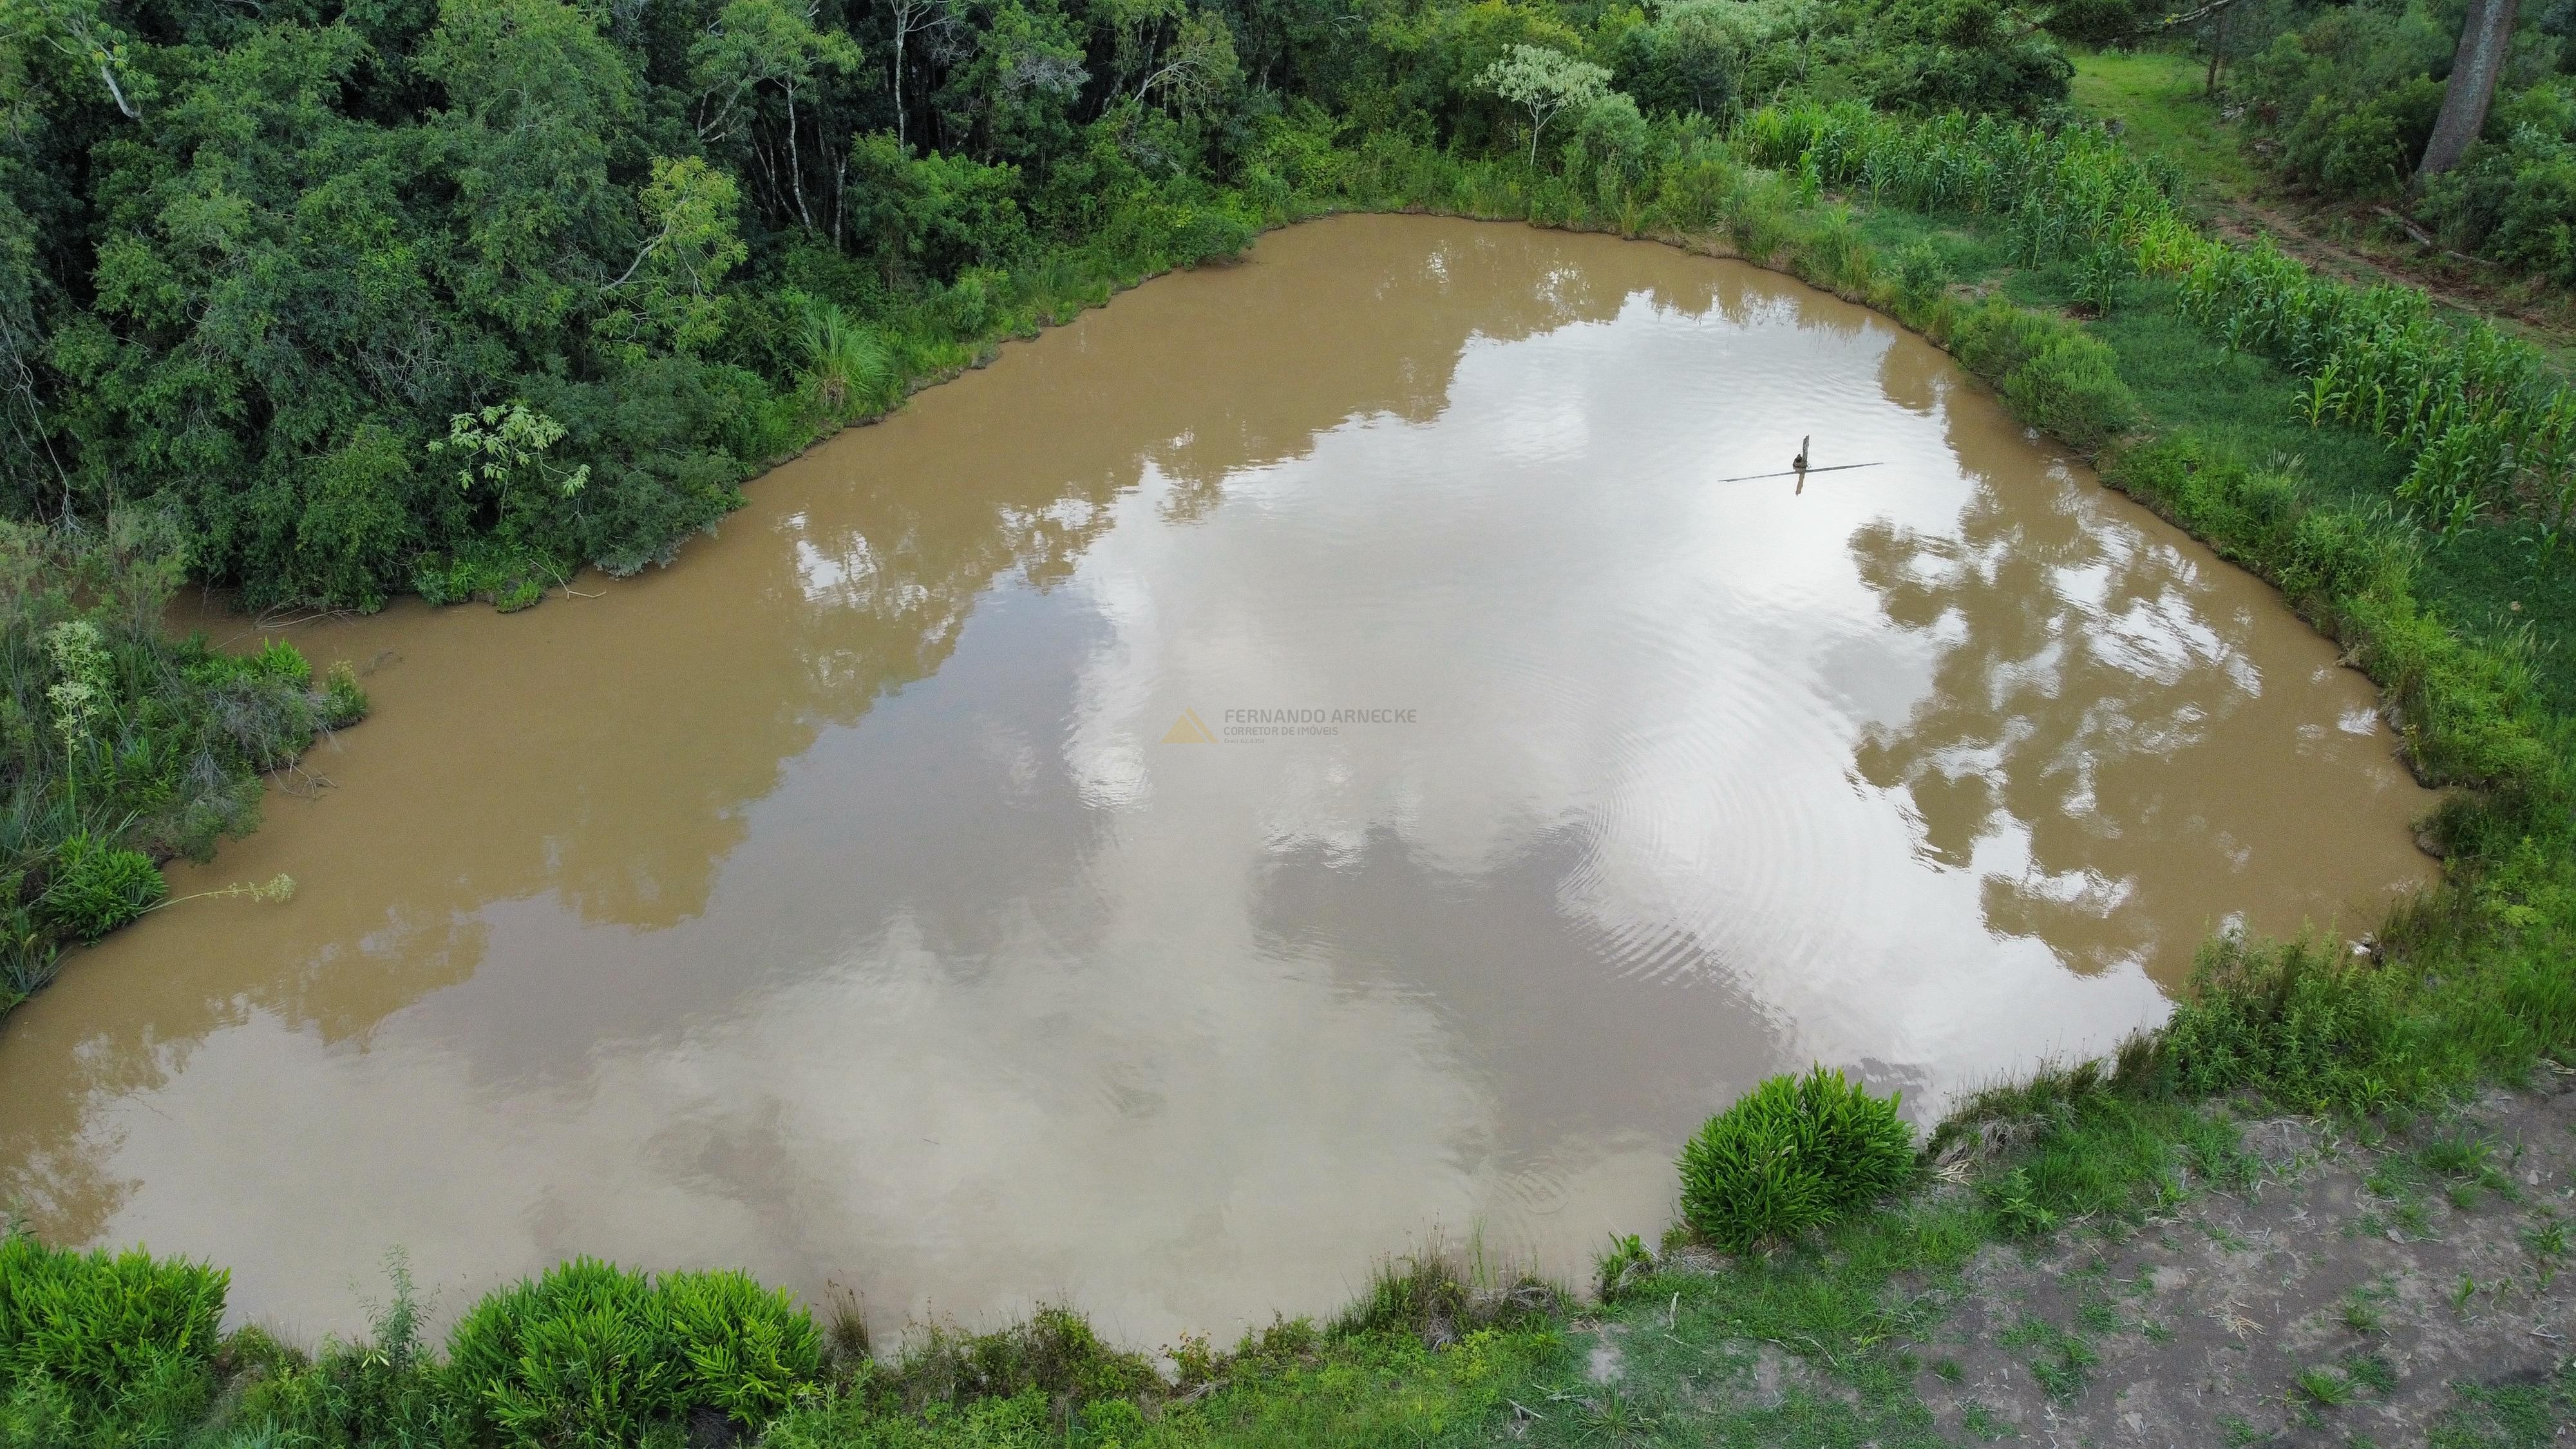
(2486, 427)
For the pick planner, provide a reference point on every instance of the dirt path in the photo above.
(2541, 316)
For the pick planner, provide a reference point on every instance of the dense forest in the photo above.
(455, 298)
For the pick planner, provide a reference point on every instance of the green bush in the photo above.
(1921, 273)
(282, 662)
(2097, 22)
(1693, 190)
(1997, 338)
(2056, 376)
(1757, 217)
(593, 1355)
(2073, 390)
(344, 700)
(1833, 254)
(1613, 145)
(103, 1330)
(743, 1348)
(2514, 201)
(2363, 152)
(1689, 59)
(1794, 1154)
(581, 1356)
(97, 887)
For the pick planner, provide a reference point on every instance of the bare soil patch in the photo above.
(2349, 1293)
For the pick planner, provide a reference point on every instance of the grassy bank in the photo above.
(2461, 617)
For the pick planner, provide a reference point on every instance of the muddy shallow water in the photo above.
(907, 893)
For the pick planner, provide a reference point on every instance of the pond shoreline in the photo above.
(2145, 467)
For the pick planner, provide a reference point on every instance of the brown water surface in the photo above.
(849, 903)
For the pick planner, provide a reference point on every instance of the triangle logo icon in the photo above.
(1189, 729)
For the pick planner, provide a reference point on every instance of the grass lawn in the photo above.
(2157, 97)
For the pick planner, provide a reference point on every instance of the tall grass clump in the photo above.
(2072, 389)
(1440, 1296)
(2055, 375)
(1792, 1155)
(2308, 1024)
(91, 1339)
(1055, 1354)
(849, 369)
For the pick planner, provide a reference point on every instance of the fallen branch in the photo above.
(2421, 236)
(2188, 17)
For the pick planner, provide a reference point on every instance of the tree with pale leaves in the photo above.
(1196, 68)
(1546, 84)
(694, 209)
(80, 32)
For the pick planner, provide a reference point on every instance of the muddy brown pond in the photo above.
(916, 892)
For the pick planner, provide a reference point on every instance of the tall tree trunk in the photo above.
(2217, 51)
(796, 165)
(2484, 43)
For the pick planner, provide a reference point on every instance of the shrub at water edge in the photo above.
(97, 887)
(92, 1331)
(1793, 1154)
(591, 1353)
(742, 1348)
